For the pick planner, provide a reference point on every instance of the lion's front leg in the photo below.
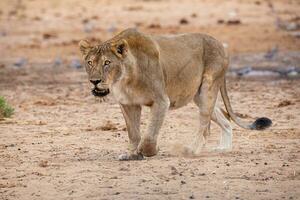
(132, 115)
(148, 144)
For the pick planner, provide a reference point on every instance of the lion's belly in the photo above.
(181, 58)
(183, 81)
(183, 92)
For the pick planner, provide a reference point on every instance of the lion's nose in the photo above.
(95, 82)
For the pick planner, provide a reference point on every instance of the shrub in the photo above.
(5, 109)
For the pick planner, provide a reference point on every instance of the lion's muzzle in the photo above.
(100, 92)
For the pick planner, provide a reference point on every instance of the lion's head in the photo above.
(106, 63)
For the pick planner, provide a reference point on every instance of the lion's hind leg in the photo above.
(205, 99)
(226, 137)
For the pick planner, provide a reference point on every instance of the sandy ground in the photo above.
(62, 143)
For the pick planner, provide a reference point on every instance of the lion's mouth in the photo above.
(100, 92)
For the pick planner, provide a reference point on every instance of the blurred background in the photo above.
(58, 142)
(47, 29)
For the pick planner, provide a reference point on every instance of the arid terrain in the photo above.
(63, 143)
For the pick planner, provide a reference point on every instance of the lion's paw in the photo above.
(127, 157)
(148, 149)
(222, 148)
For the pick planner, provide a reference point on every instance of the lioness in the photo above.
(163, 72)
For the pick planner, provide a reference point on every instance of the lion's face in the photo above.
(104, 65)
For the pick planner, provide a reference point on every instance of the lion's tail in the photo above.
(258, 124)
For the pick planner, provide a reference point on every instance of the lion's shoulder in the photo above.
(138, 42)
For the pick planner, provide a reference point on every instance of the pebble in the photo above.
(75, 63)
(183, 21)
(20, 62)
(88, 28)
(233, 22)
(57, 61)
(112, 29)
(292, 26)
(174, 171)
(292, 74)
(244, 71)
(271, 53)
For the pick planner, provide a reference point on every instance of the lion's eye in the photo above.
(90, 63)
(107, 62)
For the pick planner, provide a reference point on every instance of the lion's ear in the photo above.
(120, 48)
(84, 47)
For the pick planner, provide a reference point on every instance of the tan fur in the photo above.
(163, 72)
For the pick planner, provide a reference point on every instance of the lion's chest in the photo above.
(120, 95)
(127, 95)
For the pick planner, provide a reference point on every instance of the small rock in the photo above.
(88, 28)
(75, 63)
(265, 163)
(225, 45)
(233, 22)
(193, 15)
(85, 21)
(244, 71)
(192, 197)
(284, 103)
(174, 170)
(43, 163)
(47, 36)
(292, 74)
(117, 193)
(112, 29)
(182, 182)
(183, 21)
(257, 2)
(292, 26)
(154, 26)
(36, 18)
(124, 169)
(271, 53)
(20, 62)
(57, 61)
(70, 193)
(220, 21)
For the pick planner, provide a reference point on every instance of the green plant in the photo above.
(5, 109)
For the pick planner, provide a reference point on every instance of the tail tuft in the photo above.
(261, 123)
